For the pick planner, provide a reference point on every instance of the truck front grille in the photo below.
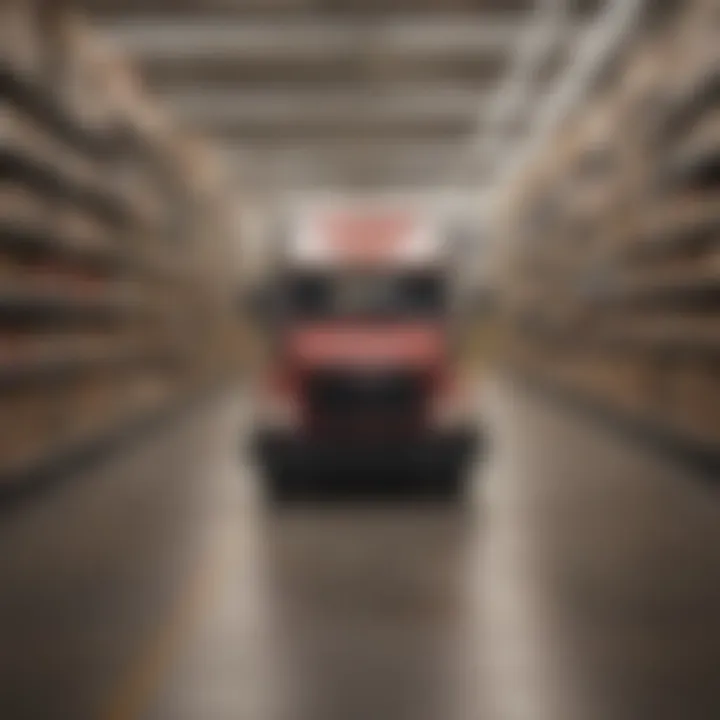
(365, 398)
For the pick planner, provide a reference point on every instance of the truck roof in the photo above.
(341, 237)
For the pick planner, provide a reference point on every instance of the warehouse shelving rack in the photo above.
(110, 293)
(614, 286)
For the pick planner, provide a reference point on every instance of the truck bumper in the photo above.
(434, 464)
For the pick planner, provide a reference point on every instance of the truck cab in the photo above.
(362, 390)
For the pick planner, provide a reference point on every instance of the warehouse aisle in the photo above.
(580, 583)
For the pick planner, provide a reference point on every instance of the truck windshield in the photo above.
(366, 295)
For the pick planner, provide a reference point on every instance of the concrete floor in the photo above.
(581, 581)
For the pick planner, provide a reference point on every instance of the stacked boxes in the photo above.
(613, 280)
(115, 280)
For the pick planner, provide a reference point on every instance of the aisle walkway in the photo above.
(580, 582)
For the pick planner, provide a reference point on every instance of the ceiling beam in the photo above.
(324, 148)
(343, 163)
(177, 74)
(263, 134)
(206, 110)
(283, 9)
(211, 37)
(338, 155)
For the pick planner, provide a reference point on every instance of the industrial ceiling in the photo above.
(371, 93)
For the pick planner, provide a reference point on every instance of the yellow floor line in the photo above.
(131, 696)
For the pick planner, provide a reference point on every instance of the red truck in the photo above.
(363, 391)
